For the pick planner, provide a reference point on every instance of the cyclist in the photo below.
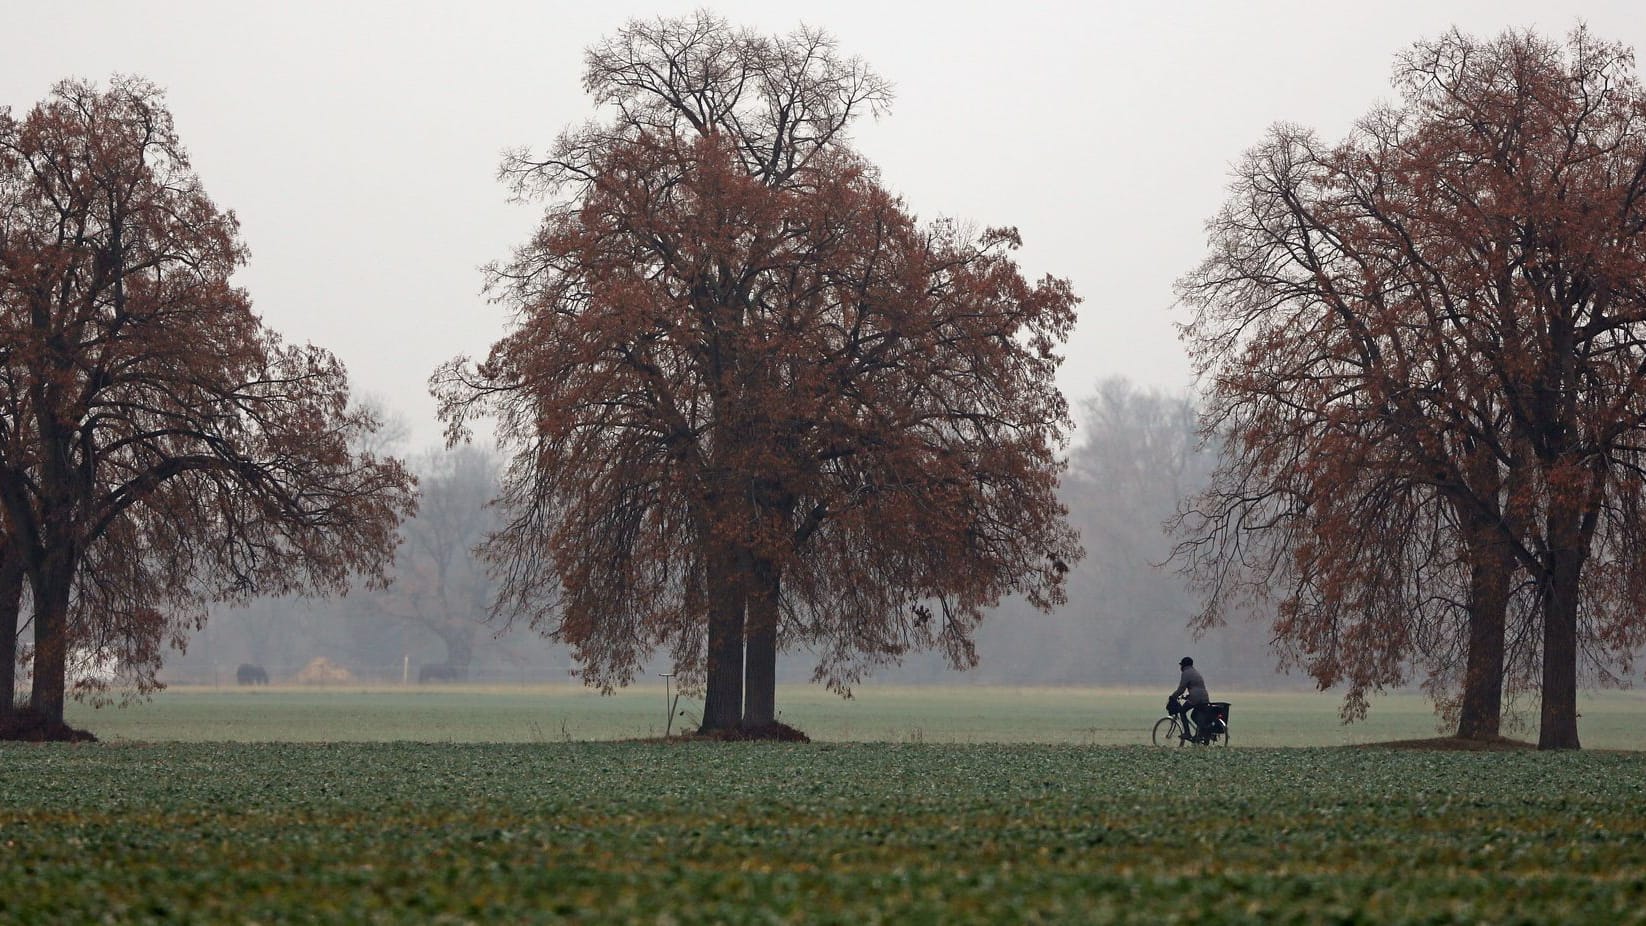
(1191, 683)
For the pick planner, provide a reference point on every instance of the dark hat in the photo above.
(1185, 661)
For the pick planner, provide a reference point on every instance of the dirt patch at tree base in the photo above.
(776, 732)
(769, 733)
(1458, 744)
(29, 726)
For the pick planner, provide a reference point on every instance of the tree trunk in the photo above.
(760, 657)
(459, 650)
(51, 643)
(1491, 566)
(723, 685)
(1560, 599)
(1481, 713)
(11, 602)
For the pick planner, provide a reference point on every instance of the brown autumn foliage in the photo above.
(159, 448)
(750, 402)
(1426, 348)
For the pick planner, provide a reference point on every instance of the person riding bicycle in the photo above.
(1191, 682)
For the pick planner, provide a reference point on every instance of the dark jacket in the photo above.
(1192, 683)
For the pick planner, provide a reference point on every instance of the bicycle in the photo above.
(1176, 729)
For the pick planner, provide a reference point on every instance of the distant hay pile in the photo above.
(322, 671)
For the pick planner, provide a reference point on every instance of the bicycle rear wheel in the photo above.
(1167, 732)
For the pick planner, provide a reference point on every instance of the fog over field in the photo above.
(1124, 624)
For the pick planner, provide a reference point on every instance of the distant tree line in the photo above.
(1126, 624)
(1137, 455)
(431, 620)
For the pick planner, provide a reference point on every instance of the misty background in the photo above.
(1124, 624)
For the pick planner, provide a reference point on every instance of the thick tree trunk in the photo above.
(51, 643)
(1480, 713)
(11, 602)
(459, 650)
(1559, 721)
(723, 685)
(760, 656)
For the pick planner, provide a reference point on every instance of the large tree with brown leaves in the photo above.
(750, 402)
(1427, 349)
(158, 446)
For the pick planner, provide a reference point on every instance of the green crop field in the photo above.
(949, 805)
(826, 832)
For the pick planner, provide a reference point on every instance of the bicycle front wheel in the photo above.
(1167, 732)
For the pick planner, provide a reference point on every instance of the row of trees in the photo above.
(1425, 348)
(750, 404)
(159, 448)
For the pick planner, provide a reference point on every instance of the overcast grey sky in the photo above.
(358, 142)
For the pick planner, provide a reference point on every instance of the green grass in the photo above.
(958, 714)
(826, 832)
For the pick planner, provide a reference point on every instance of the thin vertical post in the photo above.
(668, 705)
